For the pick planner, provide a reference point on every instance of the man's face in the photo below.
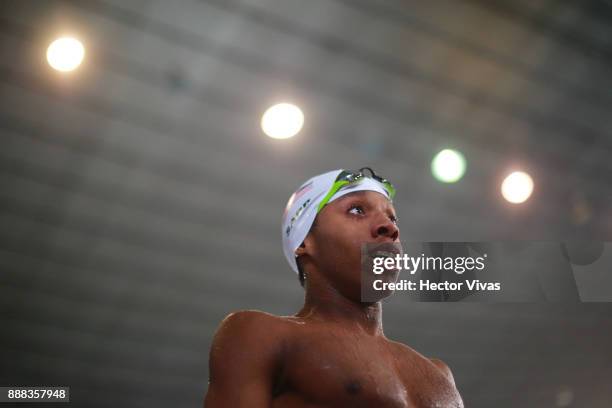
(346, 223)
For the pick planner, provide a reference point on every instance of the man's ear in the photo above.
(301, 250)
(305, 247)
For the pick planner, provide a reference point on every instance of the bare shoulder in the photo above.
(242, 317)
(442, 384)
(408, 353)
(443, 367)
(244, 325)
(246, 337)
(246, 354)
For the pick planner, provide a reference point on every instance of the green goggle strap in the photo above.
(341, 183)
(389, 187)
(333, 190)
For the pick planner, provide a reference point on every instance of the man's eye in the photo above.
(393, 219)
(356, 209)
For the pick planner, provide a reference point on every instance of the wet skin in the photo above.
(333, 352)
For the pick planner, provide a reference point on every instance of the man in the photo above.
(333, 352)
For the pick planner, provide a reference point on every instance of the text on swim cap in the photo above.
(297, 215)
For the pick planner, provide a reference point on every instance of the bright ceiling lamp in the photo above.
(448, 166)
(517, 187)
(282, 121)
(65, 54)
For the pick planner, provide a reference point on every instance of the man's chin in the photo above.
(376, 287)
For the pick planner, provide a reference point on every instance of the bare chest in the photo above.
(338, 370)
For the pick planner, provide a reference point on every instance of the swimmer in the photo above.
(333, 352)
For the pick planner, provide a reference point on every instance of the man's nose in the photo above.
(385, 228)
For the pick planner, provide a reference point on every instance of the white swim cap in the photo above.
(304, 205)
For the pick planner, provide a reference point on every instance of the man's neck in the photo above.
(322, 301)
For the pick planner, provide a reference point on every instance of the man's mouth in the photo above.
(386, 250)
(383, 254)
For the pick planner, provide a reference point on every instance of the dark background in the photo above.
(140, 202)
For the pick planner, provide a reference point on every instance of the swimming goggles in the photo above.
(347, 177)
